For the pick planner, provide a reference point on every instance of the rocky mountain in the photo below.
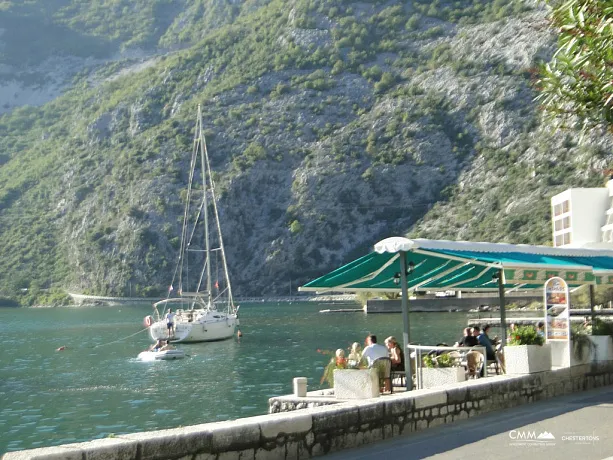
(331, 124)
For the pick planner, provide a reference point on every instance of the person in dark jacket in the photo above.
(485, 341)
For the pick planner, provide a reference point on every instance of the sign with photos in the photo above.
(557, 309)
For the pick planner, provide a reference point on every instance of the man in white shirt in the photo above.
(170, 322)
(374, 350)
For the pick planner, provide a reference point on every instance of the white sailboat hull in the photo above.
(197, 326)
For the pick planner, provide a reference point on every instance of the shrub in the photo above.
(444, 360)
(295, 227)
(526, 335)
(600, 327)
(579, 335)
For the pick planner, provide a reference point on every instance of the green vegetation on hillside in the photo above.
(323, 117)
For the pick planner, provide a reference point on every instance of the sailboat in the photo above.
(203, 309)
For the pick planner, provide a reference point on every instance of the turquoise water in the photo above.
(95, 388)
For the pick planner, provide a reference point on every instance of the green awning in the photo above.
(467, 266)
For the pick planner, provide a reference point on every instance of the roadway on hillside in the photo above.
(581, 423)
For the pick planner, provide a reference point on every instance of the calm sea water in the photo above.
(95, 387)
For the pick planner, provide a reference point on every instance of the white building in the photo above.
(583, 217)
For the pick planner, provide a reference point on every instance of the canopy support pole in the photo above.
(592, 302)
(406, 334)
(503, 313)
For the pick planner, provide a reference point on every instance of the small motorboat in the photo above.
(164, 355)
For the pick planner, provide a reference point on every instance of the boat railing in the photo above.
(176, 300)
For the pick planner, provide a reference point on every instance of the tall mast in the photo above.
(231, 307)
(205, 209)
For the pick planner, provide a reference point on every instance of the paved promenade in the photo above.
(577, 426)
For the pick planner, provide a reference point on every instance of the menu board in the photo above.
(557, 306)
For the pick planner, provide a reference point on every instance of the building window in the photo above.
(561, 208)
(564, 238)
(561, 224)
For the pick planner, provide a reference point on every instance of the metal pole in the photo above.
(205, 211)
(418, 371)
(592, 302)
(406, 334)
(503, 313)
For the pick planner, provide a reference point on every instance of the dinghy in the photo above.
(164, 355)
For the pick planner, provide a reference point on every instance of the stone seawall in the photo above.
(314, 431)
(439, 304)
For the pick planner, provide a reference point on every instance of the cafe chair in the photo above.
(474, 364)
(384, 370)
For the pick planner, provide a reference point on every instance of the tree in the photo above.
(577, 85)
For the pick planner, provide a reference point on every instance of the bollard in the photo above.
(300, 387)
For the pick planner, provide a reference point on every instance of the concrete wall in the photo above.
(319, 430)
(444, 303)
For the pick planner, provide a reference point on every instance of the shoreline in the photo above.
(100, 301)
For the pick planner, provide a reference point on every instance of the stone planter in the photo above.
(527, 359)
(439, 376)
(604, 347)
(356, 383)
(559, 357)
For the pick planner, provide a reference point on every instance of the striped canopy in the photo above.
(469, 266)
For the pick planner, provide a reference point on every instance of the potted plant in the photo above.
(582, 348)
(526, 352)
(602, 338)
(349, 377)
(441, 370)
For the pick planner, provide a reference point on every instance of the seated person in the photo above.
(435, 352)
(510, 331)
(441, 352)
(339, 359)
(540, 329)
(157, 346)
(355, 356)
(465, 331)
(469, 340)
(485, 341)
(374, 350)
(396, 354)
(372, 353)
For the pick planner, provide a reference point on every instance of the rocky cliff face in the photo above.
(436, 135)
